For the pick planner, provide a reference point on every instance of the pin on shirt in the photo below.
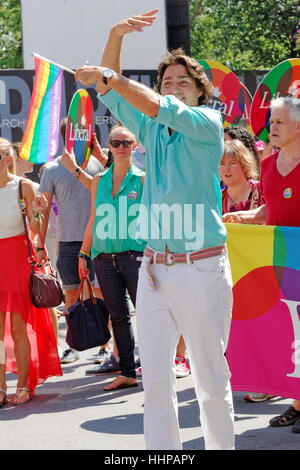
(287, 193)
(132, 195)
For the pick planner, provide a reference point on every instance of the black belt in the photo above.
(130, 253)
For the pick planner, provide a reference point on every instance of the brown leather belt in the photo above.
(169, 259)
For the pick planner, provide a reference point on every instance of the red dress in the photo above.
(15, 298)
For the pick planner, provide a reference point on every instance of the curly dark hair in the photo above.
(194, 69)
(242, 134)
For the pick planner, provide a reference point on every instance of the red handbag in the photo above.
(45, 289)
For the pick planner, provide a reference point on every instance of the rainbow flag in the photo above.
(41, 136)
(264, 345)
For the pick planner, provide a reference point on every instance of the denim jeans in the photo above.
(116, 273)
(67, 265)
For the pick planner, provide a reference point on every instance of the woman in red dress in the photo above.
(27, 342)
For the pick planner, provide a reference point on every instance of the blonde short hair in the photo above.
(6, 149)
(240, 153)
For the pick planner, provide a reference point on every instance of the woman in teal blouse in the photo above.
(110, 237)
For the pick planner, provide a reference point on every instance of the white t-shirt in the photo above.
(11, 222)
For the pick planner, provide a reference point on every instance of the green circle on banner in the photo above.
(282, 80)
(79, 128)
(230, 96)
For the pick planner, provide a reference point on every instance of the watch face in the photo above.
(108, 73)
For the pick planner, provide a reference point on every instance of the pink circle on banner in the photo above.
(79, 128)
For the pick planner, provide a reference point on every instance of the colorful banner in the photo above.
(230, 96)
(41, 136)
(80, 127)
(282, 80)
(264, 344)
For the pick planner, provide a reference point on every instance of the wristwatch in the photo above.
(107, 74)
(76, 173)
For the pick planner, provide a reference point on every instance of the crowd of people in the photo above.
(101, 217)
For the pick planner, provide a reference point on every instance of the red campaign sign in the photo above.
(230, 96)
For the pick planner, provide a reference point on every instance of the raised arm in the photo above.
(68, 160)
(111, 56)
(139, 96)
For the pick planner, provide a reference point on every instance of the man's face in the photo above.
(283, 130)
(177, 82)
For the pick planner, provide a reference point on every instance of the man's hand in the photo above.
(134, 23)
(82, 268)
(39, 204)
(41, 256)
(88, 75)
(68, 160)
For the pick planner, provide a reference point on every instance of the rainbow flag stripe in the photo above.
(41, 136)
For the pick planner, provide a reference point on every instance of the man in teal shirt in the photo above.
(185, 281)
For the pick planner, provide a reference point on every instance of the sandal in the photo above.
(290, 416)
(4, 401)
(121, 382)
(18, 393)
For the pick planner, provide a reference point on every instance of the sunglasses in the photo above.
(116, 143)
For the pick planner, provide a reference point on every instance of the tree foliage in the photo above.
(10, 34)
(244, 34)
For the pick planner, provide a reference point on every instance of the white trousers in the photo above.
(194, 300)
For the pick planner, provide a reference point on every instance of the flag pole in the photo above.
(54, 63)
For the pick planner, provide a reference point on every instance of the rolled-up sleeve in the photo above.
(129, 116)
(201, 123)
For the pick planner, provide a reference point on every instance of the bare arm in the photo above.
(88, 235)
(41, 254)
(111, 56)
(69, 162)
(254, 216)
(35, 206)
(138, 95)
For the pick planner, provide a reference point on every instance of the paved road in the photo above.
(73, 412)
